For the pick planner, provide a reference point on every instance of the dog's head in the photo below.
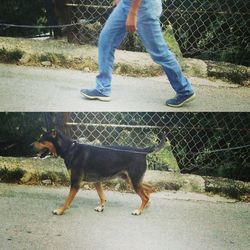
(46, 144)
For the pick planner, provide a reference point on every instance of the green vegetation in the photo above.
(164, 158)
(133, 43)
(234, 189)
(171, 41)
(18, 131)
(200, 142)
(137, 70)
(210, 30)
(230, 72)
(10, 56)
(22, 12)
(11, 175)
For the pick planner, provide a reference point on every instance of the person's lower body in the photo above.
(112, 34)
(149, 31)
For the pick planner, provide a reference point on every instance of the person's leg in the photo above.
(149, 31)
(110, 38)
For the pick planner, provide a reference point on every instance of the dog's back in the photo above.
(145, 150)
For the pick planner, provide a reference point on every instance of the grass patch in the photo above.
(55, 177)
(10, 56)
(137, 71)
(88, 64)
(236, 74)
(57, 59)
(171, 42)
(164, 158)
(227, 187)
(54, 58)
(11, 175)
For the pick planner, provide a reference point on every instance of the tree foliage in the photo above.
(18, 131)
(24, 12)
(211, 29)
(205, 143)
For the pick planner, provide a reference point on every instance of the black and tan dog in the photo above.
(98, 163)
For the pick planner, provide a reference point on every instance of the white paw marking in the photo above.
(99, 209)
(58, 211)
(136, 212)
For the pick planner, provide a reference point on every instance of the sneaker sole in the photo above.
(100, 98)
(190, 99)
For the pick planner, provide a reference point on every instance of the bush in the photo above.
(18, 131)
(10, 56)
(210, 29)
(11, 175)
(203, 144)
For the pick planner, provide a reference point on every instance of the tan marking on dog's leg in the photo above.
(148, 189)
(144, 197)
(101, 195)
(72, 193)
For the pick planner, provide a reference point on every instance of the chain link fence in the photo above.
(209, 29)
(203, 143)
(216, 144)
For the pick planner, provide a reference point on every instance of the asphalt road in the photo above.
(45, 89)
(27, 222)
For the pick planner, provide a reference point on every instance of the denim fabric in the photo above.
(149, 31)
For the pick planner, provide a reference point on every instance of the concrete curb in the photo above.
(52, 171)
(60, 53)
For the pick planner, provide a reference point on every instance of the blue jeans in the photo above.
(149, 31)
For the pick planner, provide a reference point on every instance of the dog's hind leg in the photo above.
(144, 198)
(101, 195)
(72, 193)
(148, 189)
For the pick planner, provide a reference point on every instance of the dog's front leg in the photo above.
(101, 195)
(69, 199)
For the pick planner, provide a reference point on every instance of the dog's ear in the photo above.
(53, 133)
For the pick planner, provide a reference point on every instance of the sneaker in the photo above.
(180, 100)
(94, 94)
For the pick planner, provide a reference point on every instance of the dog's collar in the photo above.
(68, 151)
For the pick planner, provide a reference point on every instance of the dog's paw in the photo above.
(58, 211)
(99, 209)
(136, 212)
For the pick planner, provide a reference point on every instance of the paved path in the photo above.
(43, 89)
(27, 222)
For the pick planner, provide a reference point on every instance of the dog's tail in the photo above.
(157, 147)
